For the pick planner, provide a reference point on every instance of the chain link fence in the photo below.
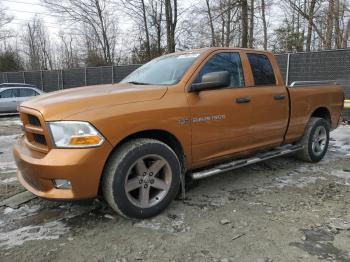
(52, 80)
(316, 66)
(312, 66)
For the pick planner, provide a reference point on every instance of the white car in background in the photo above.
(13, 94)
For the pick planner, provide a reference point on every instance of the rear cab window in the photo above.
(262, 70)
(225, 61)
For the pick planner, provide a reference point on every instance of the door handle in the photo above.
(243, 100)
(279, 97)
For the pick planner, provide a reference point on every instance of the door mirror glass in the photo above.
(211, 81)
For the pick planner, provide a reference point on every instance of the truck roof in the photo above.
(212, 49)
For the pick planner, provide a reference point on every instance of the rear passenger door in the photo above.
(270, 101)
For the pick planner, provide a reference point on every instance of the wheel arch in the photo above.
(322, 112)
(161, 135)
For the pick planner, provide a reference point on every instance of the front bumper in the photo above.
(82, 167)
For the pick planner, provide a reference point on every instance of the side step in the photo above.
(278, 151)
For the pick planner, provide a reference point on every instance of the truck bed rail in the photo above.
(313, 83)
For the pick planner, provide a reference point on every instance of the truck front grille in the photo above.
(33, 120)
(35, 130)
(40, 139)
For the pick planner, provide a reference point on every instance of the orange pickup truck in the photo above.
(189, 114)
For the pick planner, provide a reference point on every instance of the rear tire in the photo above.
(141, 178)
(315, 140)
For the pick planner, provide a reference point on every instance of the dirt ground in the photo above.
(279, 210)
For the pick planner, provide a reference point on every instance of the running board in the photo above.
(278, 151)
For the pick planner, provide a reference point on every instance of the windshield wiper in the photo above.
(138, 83)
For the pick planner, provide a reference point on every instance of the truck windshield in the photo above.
(166, 70)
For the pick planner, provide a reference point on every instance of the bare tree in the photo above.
(346, 34)
(251, 24)
(310, 18)
(5, 19)
(263, 17)
(37, 46)
(156, 15)
(329, 25)
(98, 15)
(244, 14)
(67, 52)
(310, 22)
(136, 10)
(171, 18)
(210, 23)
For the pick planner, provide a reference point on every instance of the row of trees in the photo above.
(104, 32)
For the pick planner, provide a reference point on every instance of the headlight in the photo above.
(75, 134)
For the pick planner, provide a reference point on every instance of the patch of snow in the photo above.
(340, 140)
(8, 180)
(300, 182)
(341, 174)
(22, 212)
(9, 138)
(11, 122)
(8, 166)
(176, 224)
(8, 210)
(48, 231)
(305, 168)
(148, 225)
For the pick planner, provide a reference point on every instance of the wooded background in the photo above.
(106, 32)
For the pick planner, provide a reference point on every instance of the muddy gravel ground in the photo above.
(279, 210)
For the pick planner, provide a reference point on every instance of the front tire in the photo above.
(315, 140)
(141, 178)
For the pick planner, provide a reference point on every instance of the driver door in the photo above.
(220, 118)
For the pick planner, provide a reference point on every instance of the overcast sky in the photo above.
(24, 10)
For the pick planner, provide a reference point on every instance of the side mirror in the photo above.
(211, 81)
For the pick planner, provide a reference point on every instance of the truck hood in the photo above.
(61, 104)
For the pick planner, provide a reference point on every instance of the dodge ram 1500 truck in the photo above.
(194, 113)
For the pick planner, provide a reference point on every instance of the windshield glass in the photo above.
(166, 70)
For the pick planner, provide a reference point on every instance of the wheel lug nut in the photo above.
(151, 173)
(145, 185)
(140, 181)
(151, 181)
(144, 173)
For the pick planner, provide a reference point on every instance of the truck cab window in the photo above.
(230, 62)
(262, 70)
